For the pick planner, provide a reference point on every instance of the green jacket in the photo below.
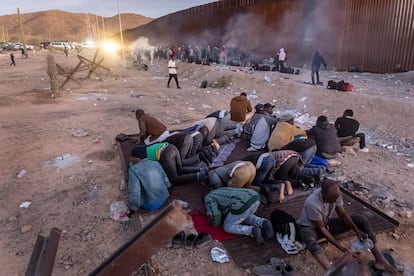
(221, 201)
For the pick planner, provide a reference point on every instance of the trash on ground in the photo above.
(62, 161)
(79, 133)
(118, 211)
(25, 204)
(21, 173)
(219, 255)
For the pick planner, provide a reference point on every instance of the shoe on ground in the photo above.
(257, 234)
(266, 270)
(267, 230)
(364, 149)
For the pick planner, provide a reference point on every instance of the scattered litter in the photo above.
(62, 161)
(191, 108)
(118, 211)
(21, 173)
(410, 165)
(267, 79)
(25, 204)
(205, 106)
(361, 245)
(219, 255)
(136, 95)
(96, 140)
(79, 133)
(183, 204)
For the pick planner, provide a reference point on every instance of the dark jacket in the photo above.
(346, 126)
(325, 137)
(239, 106)
(317, 60)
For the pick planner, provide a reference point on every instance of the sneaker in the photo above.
(251, 149)
(364, 149)
(257, 234)
(267, 230)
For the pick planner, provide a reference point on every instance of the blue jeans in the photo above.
(264, 172)
(314, 170)
(307, 155)
(232, 223)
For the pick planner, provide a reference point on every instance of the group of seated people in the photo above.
(279, 158)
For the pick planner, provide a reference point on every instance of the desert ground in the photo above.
(74, 194)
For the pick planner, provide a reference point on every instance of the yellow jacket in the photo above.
(283, 134)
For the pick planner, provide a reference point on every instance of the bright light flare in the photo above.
(110, 47)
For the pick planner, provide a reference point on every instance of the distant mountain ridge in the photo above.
(55, 25)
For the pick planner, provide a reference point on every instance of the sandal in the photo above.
(202, 240)
(190, 241)
(178, 240)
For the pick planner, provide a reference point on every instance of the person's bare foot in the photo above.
(289, 187)
(282, 192)
(215, 144)
(385, 266)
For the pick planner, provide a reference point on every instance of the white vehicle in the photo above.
(58, 44)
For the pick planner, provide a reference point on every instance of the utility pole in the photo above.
(21, 32)
(120, 30)
(103, 24)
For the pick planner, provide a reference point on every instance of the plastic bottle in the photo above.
(361, 245)
(21, 173)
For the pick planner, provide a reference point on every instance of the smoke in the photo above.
(141, 44)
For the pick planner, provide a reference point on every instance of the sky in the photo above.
(107, 8)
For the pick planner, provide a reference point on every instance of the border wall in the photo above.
(366, 35)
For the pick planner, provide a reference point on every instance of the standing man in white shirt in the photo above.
(172, 71)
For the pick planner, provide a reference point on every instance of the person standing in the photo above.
(281, 58)
(317, 60)
(12, 59)
(172, 71)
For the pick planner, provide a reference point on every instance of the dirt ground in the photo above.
(74, 194)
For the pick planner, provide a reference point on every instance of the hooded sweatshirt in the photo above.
(239, 106)
(324, 134)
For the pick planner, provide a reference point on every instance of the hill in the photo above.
(55, 25)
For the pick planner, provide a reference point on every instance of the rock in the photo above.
(390, 213)
(26, 228)
(12, 219)
(395, 236)
(405, 214)
(122, 185)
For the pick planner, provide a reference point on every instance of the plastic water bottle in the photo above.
(361, 245)
(21, 173)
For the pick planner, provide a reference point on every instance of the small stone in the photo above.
(405, 214)
(395, 236)
(386, 201)
(26, 228)
(67, 267)
(12, 219)
(122, 185)
(390, 213)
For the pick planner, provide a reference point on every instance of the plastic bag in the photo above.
(119, 211)
(219, 255)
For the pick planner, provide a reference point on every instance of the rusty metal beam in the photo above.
(146, 242)
(43, 255)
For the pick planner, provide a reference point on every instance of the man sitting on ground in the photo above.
(241, 109)
(347, 128)
(151, 130)
(315, 219)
